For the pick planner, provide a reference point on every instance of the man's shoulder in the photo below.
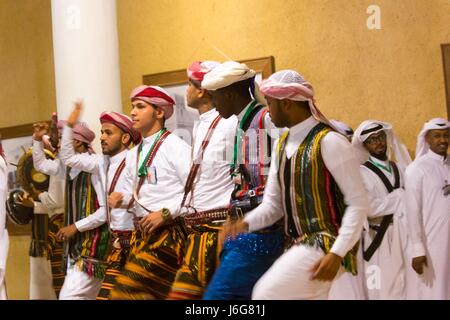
(229, 123)
(175, 143)
(419, 165)
(333, 137)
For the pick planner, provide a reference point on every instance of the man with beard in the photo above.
(314, 183)
(428, 208)
(384, 239)
(117, 135)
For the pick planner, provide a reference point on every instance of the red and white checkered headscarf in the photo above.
(197, 70)
(289, 84)
(123, 122)
(156, 96)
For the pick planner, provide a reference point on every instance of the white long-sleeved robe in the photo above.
(50, 202)
(164, 187)
(384, 273)
(213, 185)
(97, 165)
(289, 276)
(77, 284)
(428, 212)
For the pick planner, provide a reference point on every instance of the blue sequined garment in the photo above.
(243, 261)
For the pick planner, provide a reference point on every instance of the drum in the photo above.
(18, 213)
(26, 173)
(26, 176)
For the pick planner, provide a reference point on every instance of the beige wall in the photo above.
(27, 92)
(393, 74)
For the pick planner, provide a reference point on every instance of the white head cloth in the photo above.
(433, 124)
(342, 128)
(289, 84)
(396, 150)
(231, 72)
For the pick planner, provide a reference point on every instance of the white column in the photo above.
(86, 55)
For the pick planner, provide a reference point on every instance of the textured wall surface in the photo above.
(27, 85)
(392, 74)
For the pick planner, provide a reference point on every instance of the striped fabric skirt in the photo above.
(151, 267)
(56, 251)
(199, 263)
(39, 236)
(117, 259)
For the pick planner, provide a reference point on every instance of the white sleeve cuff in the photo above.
(81, 225)
(418, 250)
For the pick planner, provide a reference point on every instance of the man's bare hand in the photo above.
(115, 200)
(75, 115)
(418, 263)
(26, 200)
(326, 268)
(39, 130)
(34, 192)
(151, 222)
(67, 232)
(233, 229)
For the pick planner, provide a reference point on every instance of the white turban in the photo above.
(433, 124)
(226, 74)
(289, 84)
(396, 150)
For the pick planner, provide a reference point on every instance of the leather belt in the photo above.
(204, 217)
(121, 239)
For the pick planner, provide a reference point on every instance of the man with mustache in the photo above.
(117, 136)
(384, 239)
(428, 209)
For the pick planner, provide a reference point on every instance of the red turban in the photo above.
(123, 122)
(156, 96)
(197, 69)
(82, 133)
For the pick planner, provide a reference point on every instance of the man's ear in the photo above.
(159, 113)
(126, 139)
(201, 93)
